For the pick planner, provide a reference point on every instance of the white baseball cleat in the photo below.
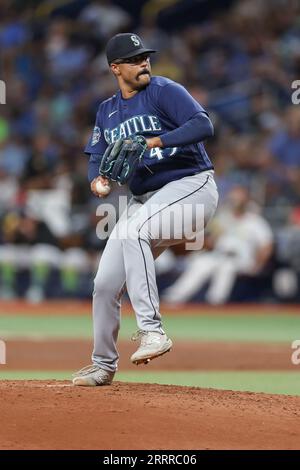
(153, 344)
(93, 375)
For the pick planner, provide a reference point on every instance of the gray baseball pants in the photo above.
(151, 223)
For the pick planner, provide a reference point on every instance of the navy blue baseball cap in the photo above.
(124, 46)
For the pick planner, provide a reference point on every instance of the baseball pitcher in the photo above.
(150, 136)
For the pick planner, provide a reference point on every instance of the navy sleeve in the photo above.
(93, 166)
(195, 130)
(96, 143)
(176, 102)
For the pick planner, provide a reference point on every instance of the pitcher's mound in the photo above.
(56, 415)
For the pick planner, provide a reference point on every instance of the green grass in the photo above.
(248, 327)
(44, 326)
(287, 383)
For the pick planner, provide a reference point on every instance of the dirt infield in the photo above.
(74, 354)
(56, 415)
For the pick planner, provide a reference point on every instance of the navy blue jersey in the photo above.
(161, 107)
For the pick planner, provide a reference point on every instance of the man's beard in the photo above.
(141, 85)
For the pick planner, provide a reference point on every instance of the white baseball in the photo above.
(102, 189)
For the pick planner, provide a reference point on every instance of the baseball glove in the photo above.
(121, 159)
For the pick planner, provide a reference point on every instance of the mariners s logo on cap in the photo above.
(124, 46)
(135, 40)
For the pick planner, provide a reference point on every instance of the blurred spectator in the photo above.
(241, 243)
(27, 243)
(286, 279)
(13, 157)
(284, 148)
(104, 18)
